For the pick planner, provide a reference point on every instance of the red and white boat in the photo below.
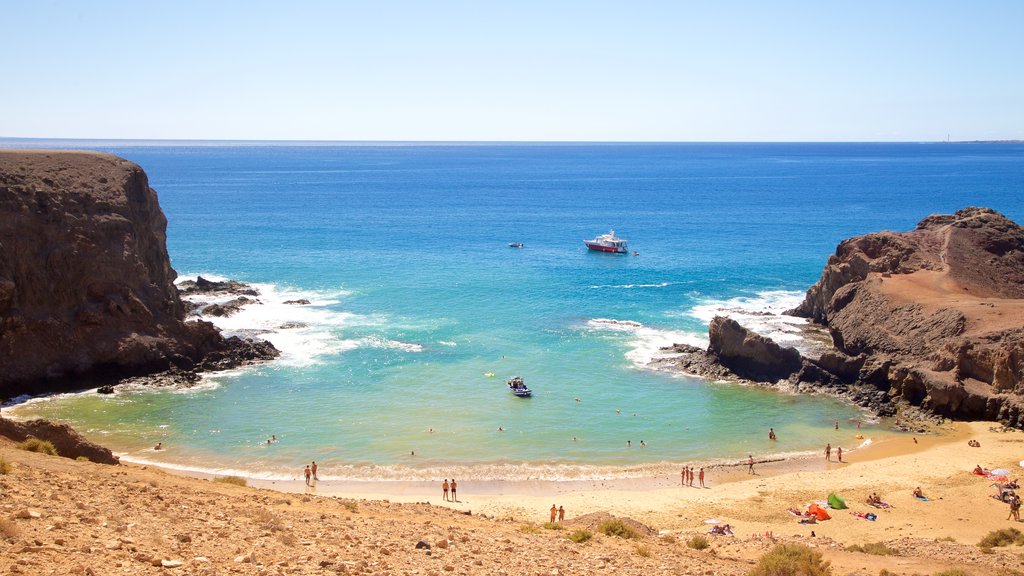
(608, 243)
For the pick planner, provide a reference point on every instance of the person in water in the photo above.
(771, 433)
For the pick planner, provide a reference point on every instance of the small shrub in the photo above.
(876, 548)
(37, 445)
(581, 536)
(791, 560)
(8, 529)
(947, 539)
(884, 572)
(953, 572)
(669, 539)
(5, 467)
(234, 480)
(82, 458)
(643, 551)
(268, 521)
(1003, 537)
(351, 506)
(618, 528)
(553, 526)
(529, 529)
(698, 542)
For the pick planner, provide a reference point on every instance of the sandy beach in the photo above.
(117, 520)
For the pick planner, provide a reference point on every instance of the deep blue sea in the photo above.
(402, 250)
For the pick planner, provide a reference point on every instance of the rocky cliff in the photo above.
(934, 315)
(86, 285)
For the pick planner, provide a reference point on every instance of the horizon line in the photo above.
(293, 142)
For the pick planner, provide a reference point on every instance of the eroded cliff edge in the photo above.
(86, 286)
(937, 313)
(933, 317)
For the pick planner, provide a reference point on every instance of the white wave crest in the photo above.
(646, 342)
(629, 286)
(763, 313)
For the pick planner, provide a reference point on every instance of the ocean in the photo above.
(402, 250)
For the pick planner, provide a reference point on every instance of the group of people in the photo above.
(452, 487)
(310, 474)
(687, 476)
(558, 513)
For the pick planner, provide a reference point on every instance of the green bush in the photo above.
(1003, 537)
(876, 548)
(953, 572)
(791, 560)
(580, 536)
(36, 445)
(698, 542)
(616, 527)
(529, 529)
(82, 459)
(235, 480)
(553, 526)
(5, 467)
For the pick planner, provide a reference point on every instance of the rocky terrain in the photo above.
(933, 317)
(87, 291)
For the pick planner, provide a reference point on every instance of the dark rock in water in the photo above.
(239, 352)
(203, 286)
(749, 354)
(69, 444)
(108, 389)
(299, 302)
(292, 325)
(227, 308)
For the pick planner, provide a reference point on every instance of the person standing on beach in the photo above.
(702, 477)
(828, 452)
(561, 514)
(839, 452)
(750, 463)
(312, 468)
(1014, 507)
(554, 512)
(454, 487)
(307, 473)
(445, 488)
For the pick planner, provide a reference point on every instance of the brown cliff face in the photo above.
(941, 308)
(748, 354)
(86, 286)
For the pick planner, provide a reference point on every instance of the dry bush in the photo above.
(698, 542)
(953, 572)
(268, 520)
(643, 551)
(581, 536)
(791, 560)
(1003, 537)
(33, 444)
(616, 527)
(234, 480)
(82, 459)
(876, 548)
(553, 526)
(529, 529)
(5, 467)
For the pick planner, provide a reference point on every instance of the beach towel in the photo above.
(1000, 472)
(923, 498)
(865, 515)
(836, 502)
(881, 505)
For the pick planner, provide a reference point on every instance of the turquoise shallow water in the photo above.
(415, 296)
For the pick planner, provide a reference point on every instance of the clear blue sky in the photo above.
(518, 70)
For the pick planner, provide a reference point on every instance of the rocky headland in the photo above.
(933, 317)
(87, 294)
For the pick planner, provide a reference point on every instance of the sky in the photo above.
(522, 70)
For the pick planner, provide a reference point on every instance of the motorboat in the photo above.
(518, 387)
(608, 243)
(515, 244)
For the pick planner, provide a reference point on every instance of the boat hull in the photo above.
(609, 249)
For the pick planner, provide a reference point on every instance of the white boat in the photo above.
(518, 387)
(608, 243)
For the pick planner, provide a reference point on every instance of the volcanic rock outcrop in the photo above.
(935, 315)
(86, 285)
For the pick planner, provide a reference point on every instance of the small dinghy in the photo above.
(518, 387)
